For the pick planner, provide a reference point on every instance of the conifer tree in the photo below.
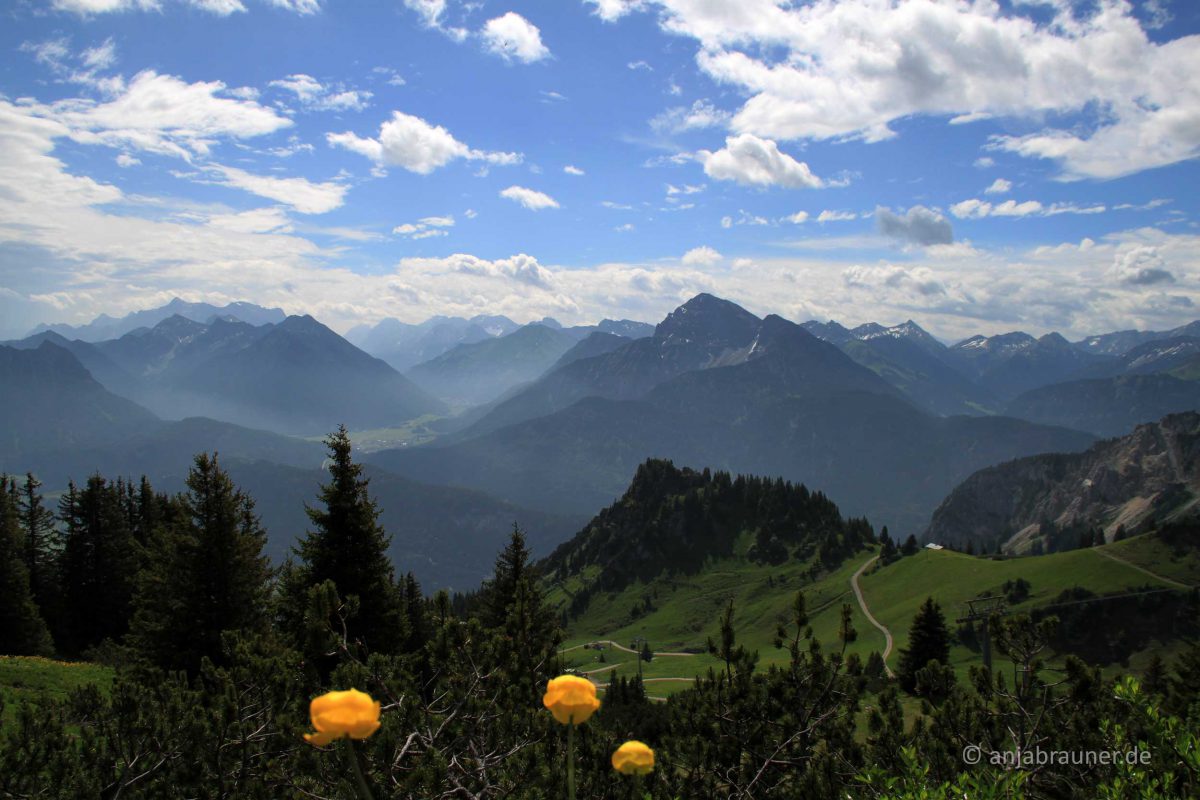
(928, 640)
(22, 629)
(99, 564)
(348, 546)
(40, 546)
(910, 547)
(207, 574)
(514, 606)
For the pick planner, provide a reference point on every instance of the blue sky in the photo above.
(978, 166)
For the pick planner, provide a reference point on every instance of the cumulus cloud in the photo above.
(529, 198)
(425, 228)
(571, 169)
(1141, 266)
(703, 256)
(752, 161)
(832, 70)
(799, 218)
(514, 38)
(836, 216)
(918, 225)
(890, 276)
(999, 186)
(163, 114)
(415, 145)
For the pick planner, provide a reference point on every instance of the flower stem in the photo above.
(571, 760)
(364, 791)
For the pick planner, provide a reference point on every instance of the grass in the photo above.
(1151, 553)
(686, 610)
(31, 679)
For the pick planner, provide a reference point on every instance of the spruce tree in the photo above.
(99, 564)
(928, 640)
(207, 574)
(40, 546)
(23, 632)
(348, 546)
(515, 608)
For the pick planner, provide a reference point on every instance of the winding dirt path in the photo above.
(1103, 552)
(862, 603)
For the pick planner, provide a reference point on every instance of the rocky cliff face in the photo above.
(1133, 481)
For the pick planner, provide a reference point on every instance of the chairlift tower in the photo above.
(981, 610)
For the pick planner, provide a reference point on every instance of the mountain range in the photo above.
(886, 420)
(1135, 482)
(716, 386)
(295, 376)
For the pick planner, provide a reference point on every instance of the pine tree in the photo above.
(208, 575)
(514, 606)
(23, 632)
(348, 546)
(726, 648)
(99, 564)
(910, 547)
(41, 546)
(928, 640)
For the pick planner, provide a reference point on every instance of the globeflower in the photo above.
(633, 758)
(571, 699)
(336, 714)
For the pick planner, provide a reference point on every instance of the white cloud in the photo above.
(626, 228)
(298, 6)
(101, 56)
(313, 95)
(702, 114)
(163, 114)
(919, 280)
(258, 220)
(799, 218)
(999, 186)
(89, 7)
(918, 225)
(703, 256)
(126, 160)
(417, 146)
(833, 70)
(616, 206)
(1141, 266)
(571, 169)
(511, 36)
(685, 189)
(829, 215)
(975, 208)
(636, 65)
(299, 193)
(222, 8)
(425, 228)
(752, 161)
(984, 162)
(613, 10)
(530, 198)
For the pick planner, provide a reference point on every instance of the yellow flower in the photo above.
(571, 699)
(337, 714)
(633, 758)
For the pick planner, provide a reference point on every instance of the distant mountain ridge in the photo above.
(106, 327)
(295, 376)
(718, 387)
(1133, 482)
